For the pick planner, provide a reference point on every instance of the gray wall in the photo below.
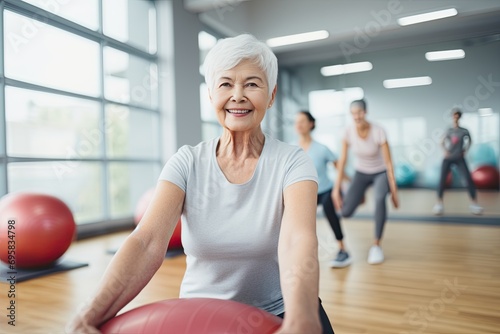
(179, 76)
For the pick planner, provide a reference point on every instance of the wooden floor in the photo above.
(436, 279)
(419, 203)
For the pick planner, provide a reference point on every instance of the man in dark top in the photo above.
(456, 142)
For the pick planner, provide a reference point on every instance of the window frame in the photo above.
(105, 225)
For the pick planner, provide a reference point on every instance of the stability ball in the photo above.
(193, 316)
(432, 177)
(405, 175)
(486, 177)
(142, 206)
(40, 228)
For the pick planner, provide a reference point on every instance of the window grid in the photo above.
(3, 122)
(37, 13)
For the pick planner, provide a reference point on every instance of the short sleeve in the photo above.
(330, 156)
(177, 168)
(299, 167)
(381, 136)
(347, 135)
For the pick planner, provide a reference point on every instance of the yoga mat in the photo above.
(27, 274)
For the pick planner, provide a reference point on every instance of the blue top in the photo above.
(321, 157)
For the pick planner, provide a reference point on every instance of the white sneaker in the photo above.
(438, 209)
(476, 209)
(375, 255)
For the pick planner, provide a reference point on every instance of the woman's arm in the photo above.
(345, 177)
(468, 144)
(298, 259)
(136, 261)
(386, 153)
(337, 198)
(443, 145)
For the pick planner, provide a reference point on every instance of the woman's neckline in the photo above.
(368, 131)
(219, 169)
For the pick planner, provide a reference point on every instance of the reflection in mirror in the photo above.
(415, 118)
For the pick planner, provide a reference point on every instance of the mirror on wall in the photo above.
(415, 117)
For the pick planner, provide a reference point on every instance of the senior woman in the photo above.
(248, 205)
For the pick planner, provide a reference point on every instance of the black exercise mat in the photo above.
(27, 274)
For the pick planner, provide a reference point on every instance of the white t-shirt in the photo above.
(230, 231)
(368, 151)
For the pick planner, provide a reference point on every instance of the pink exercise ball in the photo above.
(140, 210)
(194, 316)
(38, 228)
(486, 177)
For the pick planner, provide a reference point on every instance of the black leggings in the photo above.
(323, 317)
(462, 166)
(325, 199)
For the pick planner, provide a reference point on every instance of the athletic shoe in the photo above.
(476, 209)
(438, 209)
(342, 260)
(376, 255)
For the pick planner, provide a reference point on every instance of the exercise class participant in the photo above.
(456, 142)
(322, 157)
(248, 205)
(373, 166)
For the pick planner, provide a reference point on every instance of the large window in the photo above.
(331, 110)
(79, 114)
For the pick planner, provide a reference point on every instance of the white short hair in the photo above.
(229, 52)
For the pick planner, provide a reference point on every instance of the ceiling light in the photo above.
(206, 41)
(346, 69)
(485, 112)
(440, 14)
(298, 38)
(407, 82)
(445, 55)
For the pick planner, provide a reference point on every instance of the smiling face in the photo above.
(240, 97)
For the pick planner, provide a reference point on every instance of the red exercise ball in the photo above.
(41, 229)
(176, 241)
(194, 316)
(486, 177)
(140, 210)
(449, 180)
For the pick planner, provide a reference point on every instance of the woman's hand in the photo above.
(395, 198)
(337, 199)
(300, 326)
(79, 326)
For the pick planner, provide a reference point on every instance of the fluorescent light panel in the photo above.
(407, 82)
(425, 17)
(485, 112)
(346, 68)
(445, 55)
(298, 38)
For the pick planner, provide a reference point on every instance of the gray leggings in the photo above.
(360, 182)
